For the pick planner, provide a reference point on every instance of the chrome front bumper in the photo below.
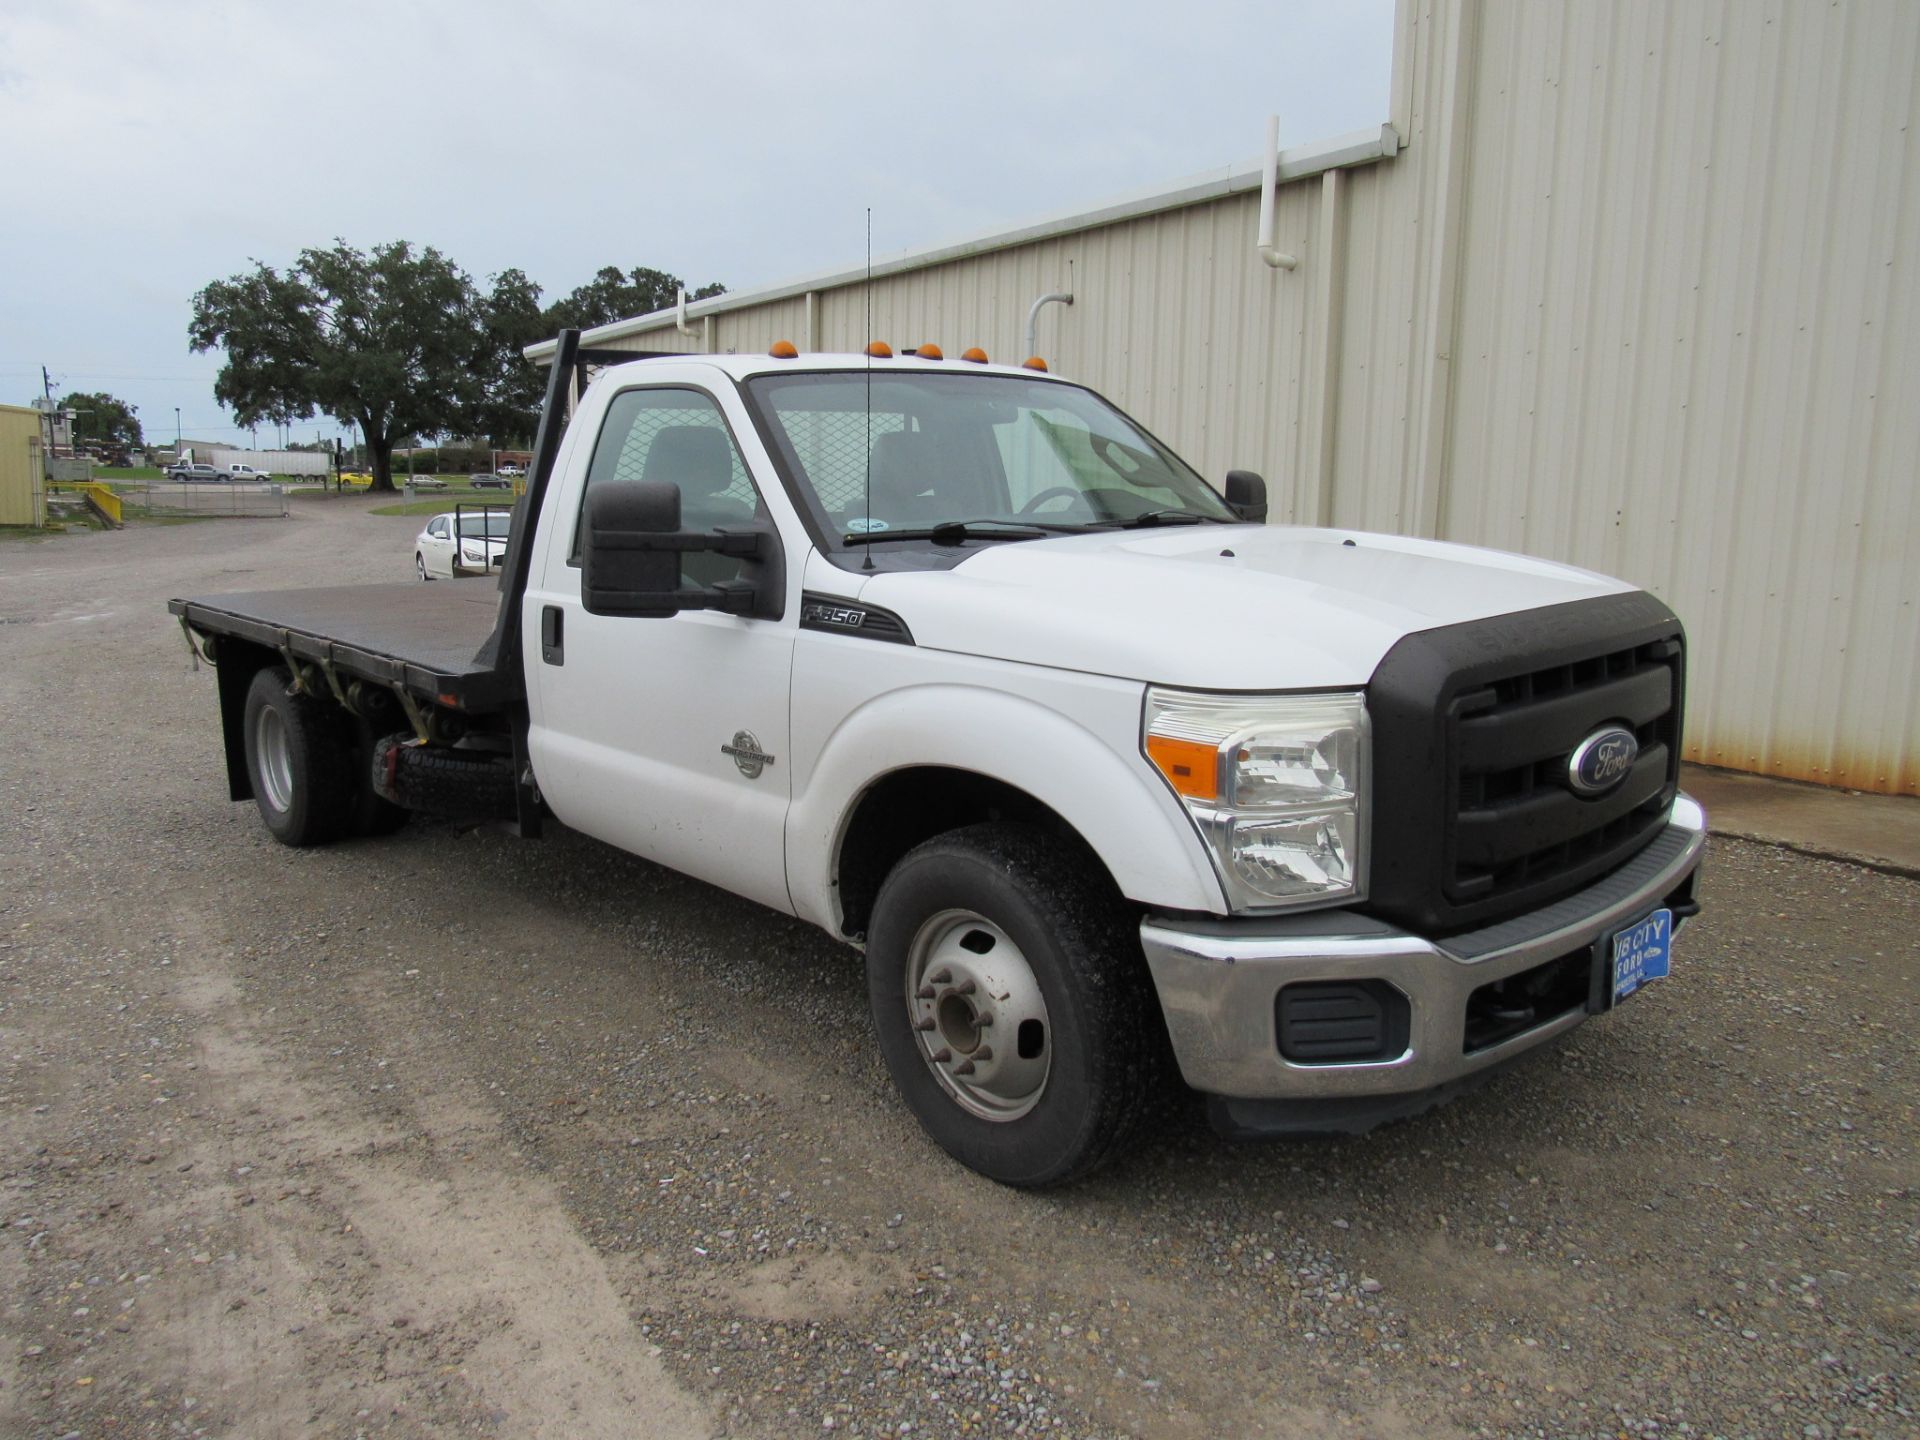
(1219, 980)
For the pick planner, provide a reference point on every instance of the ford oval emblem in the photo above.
(1602, 760)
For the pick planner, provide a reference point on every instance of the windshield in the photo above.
(494, 527)
(1025, 457)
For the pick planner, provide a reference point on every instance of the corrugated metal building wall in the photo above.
(1639, 293)
(1689, 349)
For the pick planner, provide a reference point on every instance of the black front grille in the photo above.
(1474, 724)
(1517, 820)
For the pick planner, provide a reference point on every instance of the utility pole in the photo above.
(176, 434)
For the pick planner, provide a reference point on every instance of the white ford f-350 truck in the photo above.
(1109, 779)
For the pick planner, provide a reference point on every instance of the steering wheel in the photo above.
(1052, 492)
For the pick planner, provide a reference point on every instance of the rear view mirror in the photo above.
(1247, 496)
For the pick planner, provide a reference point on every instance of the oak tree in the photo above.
(394, 339)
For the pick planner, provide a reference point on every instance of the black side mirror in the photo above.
(630, 548)
(1247, 496)
(620, 572)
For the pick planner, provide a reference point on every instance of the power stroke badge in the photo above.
(746, 753)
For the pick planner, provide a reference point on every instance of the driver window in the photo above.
(438, 529)
(678, 436)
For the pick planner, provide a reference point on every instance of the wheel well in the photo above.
(907, 807)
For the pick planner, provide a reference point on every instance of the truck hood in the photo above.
(1217, 607)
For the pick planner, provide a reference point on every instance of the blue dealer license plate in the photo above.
(1642, 954)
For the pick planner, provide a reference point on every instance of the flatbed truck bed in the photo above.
(424, 638)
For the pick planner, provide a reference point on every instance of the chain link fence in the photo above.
(160, 498)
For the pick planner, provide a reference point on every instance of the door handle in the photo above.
(553, 648)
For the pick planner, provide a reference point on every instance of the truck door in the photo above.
(665, 737)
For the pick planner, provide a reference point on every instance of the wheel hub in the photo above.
(273, 758)
(978, 1015)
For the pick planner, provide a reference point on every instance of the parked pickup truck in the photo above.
(1103, 774)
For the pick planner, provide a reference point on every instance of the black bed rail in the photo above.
(570, 361)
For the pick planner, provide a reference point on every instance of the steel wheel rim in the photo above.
(978, 1018)
(273, 758)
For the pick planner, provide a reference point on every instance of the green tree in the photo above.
(395, 340)
(103, 417)
(615, 295)
(516, 386)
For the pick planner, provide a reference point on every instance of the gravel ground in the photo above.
(451, 1134)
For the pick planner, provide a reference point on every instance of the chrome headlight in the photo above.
(1276, 786)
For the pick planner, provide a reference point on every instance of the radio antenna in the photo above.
(867, 499)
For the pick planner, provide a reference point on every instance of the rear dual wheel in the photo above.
(1011, 1003)
(308, 761)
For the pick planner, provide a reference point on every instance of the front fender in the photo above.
(1117, 805)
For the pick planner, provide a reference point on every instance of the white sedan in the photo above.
(469, 541)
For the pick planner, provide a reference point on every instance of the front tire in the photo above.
(420, 564)
(300, 760)
(1012, 1003)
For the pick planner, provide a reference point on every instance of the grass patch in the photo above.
(136, 472)
(417, 507)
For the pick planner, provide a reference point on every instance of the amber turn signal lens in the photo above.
(1034, 362)
(975, 354)
(880, 350)
(1191, 767)
(784, 350)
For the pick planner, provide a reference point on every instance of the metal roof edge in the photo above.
(1301, 162)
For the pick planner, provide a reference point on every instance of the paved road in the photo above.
(447, 1134)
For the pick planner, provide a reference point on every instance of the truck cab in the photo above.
(1107, 779)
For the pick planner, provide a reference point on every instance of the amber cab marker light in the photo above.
(975, 354)
(880, 350)
(930, 352)
(1034, 362)
(1191, 766)
(783, 350)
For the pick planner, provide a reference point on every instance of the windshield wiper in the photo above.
(1163, 517)
(953, 532)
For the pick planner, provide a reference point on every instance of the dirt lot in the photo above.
(451, 1134)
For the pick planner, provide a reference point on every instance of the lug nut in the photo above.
(941, 976)
(965, 1067)
(965, 987)
(942, 1055)
(926, 1023)
(925, 992)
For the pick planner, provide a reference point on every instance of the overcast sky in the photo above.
(154, 147)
